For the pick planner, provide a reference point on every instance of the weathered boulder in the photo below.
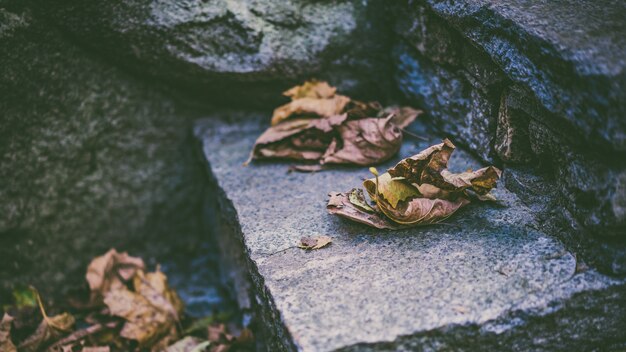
(236, 52)
(539, 84)
(90, 158)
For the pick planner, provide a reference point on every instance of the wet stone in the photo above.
(489, 276)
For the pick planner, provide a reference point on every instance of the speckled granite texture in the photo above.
(487, 272)
(539, 86)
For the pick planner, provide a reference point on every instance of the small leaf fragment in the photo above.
(189, 344)
(24, 297)
(402, 116)
(357, 199)
(96, 349)
(316, 242)
(5, 334)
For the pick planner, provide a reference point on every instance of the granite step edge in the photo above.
(281, 339)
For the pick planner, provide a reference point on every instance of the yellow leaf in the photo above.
(310, 107)
(392, 190)
(311, 89)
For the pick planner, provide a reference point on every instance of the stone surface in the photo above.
(568, 53)
(90, 158)
(237, 52)
(489, 277)
(512, 83)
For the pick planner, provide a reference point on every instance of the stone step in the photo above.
(538, 85)
(488, 279)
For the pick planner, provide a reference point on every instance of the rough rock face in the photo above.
(90, 158)
(539, 85)
(237, 52)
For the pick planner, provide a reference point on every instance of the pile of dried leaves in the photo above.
(419, 190)
(321, 127)
(129, 309)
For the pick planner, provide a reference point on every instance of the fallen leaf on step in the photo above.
(340, 204)
(299, 139)
(316, 242)
(360, 110)
(310, 107)
(419, 190)
(5, 334)
(111, 271)
(311, 89)
(319, 126)
(364, 142)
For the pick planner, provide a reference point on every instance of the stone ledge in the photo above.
(490, 271)
(534, 86)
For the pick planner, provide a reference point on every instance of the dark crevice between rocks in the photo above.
(239, 273)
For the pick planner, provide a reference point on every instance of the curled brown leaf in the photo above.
(364, 142)
(321, 126)
(111, 271)
(419, 190)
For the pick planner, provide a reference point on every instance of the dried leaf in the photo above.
(310, 107)
(422, 211)
(316, 242)
(360, 110)
(111, 272)
(144, 323)
(189, 344)
(218, 333)
(393, 190)
(24, 297)
(283, 140)
(429, 167)
(49, 330)
(364, 142)
(154, 287)
(96, 349)
(419, 190)
(311, 89)
(82, 334)
(357, 199)
(5, 334)
(339, 204)
(402, 116)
